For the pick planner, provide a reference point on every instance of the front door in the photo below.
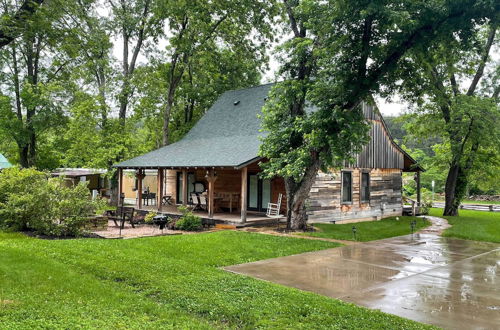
(259, 193)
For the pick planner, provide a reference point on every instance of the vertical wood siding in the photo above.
(380, 152)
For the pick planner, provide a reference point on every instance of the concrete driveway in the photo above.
(443, 281)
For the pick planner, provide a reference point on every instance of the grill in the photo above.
(160, 221)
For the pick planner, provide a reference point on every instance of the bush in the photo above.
(31, 200)
(188, 221)
(426, 202)
(149, 217)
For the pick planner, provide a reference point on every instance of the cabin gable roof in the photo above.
(229, 135)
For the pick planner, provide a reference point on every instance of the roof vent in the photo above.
(236, 102)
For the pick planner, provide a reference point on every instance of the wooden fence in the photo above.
(474, 207)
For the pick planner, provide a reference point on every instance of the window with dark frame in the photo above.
(365, 187)
(346, 187)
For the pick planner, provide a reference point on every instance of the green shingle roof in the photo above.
(4, 163)
(227, 135)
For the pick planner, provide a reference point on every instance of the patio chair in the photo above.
(122, 214)
(114, 215)
(127, 215)
(195, 202)
(203, 202)
(273, 210)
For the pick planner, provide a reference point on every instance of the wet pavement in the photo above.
(443, 281)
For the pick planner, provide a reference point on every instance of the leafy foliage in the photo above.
(454, 84)
(188, 221)
(29, 200)
(149, 217)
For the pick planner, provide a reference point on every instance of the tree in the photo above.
(341, 52)
(455, 85)
(133, 21)
(10, 27)
(36, 67)
(196, 27)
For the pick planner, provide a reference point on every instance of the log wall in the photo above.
(324, 204)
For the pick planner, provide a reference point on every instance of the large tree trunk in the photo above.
(451, 207)
(174, 82)
(455, 189)
(166, 116)
(297, 194)
(23, 155)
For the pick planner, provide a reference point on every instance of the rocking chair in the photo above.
(273, 210)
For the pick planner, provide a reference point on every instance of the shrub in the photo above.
(426, 202)
(149, 217)
(30, 200)
(189, 222)
(172, 222)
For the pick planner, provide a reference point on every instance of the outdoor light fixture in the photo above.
(354, 232)
(412, 225)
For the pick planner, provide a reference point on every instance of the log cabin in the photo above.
(218, 158)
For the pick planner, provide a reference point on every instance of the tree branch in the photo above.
(293, 21)
(365, 47)
(27, 9)
(398, 51)
(484, 58)
(140, 38)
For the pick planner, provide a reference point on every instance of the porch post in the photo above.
(159, 192)
(139, 189)
(120, 187)
(211, 187)
(243, 203)
(184, 187)
(418, 192)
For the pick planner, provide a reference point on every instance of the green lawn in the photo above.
(369, 230)
(163, 282)
(473, 225)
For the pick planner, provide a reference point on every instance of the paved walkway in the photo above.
(448, 282)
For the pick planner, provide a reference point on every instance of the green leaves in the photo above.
(30, 200)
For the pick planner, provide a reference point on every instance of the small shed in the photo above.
(94, 178)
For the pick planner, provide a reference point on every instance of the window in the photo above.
(346, 187)
(190, 186)
(365, 187)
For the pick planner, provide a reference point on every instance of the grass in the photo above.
(163, 282)
(369, 230)
(472, 225)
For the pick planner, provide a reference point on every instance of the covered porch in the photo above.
(224, 194)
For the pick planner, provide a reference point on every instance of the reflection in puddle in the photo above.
(420, 260)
